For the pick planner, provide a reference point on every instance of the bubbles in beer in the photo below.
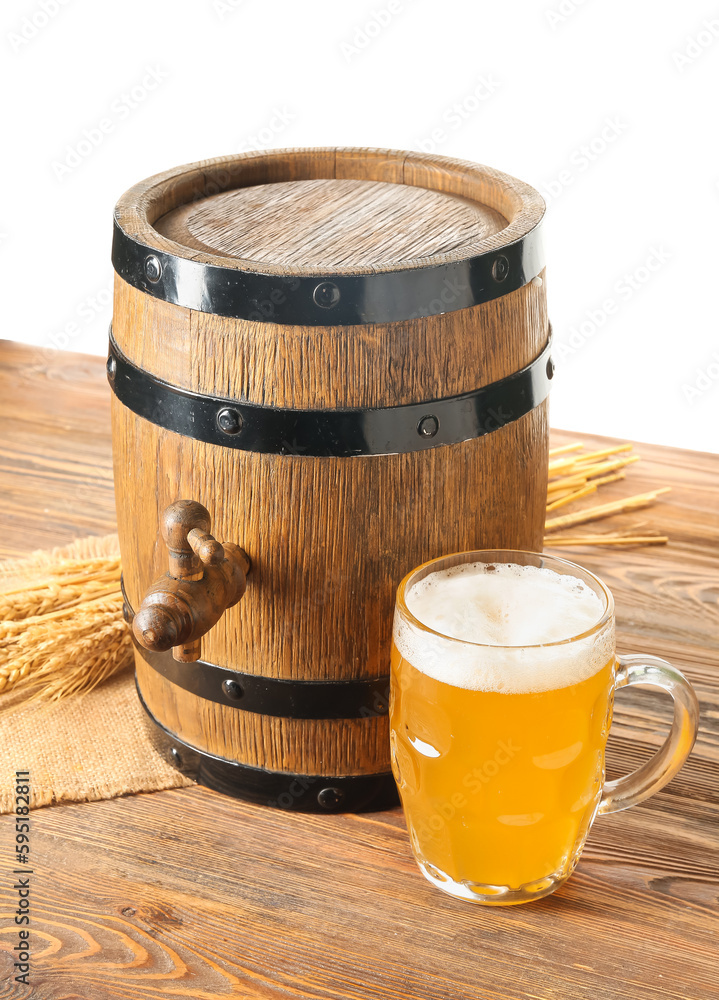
(507, 616)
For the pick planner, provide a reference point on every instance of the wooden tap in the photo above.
(205, 578)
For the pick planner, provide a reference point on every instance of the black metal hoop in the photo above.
(355, 699)
(280, 789)
(331, 299)
(343, 433)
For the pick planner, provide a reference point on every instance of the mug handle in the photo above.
(651, 671)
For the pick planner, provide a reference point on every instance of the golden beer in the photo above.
(502, 683)
(508, 796)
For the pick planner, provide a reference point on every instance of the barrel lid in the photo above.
(332, 236)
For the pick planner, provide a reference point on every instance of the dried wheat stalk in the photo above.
(579, 475)
(57, 592)
(557, 495)
(61, 627)
(605, 510)
(564, 464)
(574, 476)
(562, 449)
(570, 496)
(558, 541)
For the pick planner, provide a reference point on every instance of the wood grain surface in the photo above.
(55, 449)
(329, 225)
(187, 894)
(511, 207)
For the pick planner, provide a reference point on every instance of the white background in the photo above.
(608, 108)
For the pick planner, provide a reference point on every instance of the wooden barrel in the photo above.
(342, 354)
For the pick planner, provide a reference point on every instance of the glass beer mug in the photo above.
(503, 676)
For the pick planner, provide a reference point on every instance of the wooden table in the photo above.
(187, 894)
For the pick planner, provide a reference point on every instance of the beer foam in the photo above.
(508, 617)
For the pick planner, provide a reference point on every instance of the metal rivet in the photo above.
(500, 268)
(229, 421)
(330, 798)
(326, 295)
(428, 426)
(153, 268)
(233, 689)
(550, 368)
(111, 367)
(127, 612)
(175, 754)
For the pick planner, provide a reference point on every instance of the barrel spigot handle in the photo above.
(205, 578)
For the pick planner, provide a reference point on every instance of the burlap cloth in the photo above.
(88, 747)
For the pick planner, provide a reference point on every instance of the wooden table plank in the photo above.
(55, 449)
(186, 893)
